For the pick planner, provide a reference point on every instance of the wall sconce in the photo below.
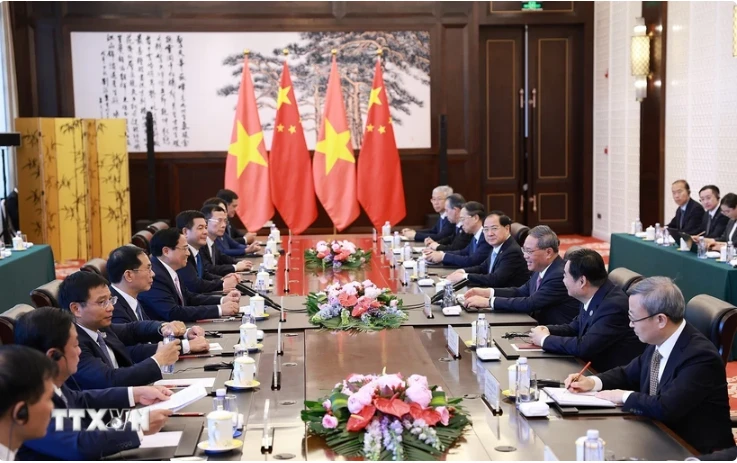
(640, 58)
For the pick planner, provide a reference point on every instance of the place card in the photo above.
(492, 391)
(427, 309)
(453, 342)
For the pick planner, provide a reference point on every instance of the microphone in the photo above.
(437, 297)
(252, 292)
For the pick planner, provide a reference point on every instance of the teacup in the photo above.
(249, 335)
(219, 429)
(257, 305)
(244, 370)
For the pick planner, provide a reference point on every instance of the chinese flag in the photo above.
(246, 167)
(291, 187)
(380, 189)
(334, 166)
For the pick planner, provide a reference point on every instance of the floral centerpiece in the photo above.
(355, 305)
(336, 254)
(385, 417)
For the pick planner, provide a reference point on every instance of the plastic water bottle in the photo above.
(18, 241)
(386, 230)
(218, 403)
(407, 252)
(590, 447)
(449, 298)
(701, 247)
(730, 251)
(638, 226)
(658, 233)
(248, 316)
(421, 267)
(523, 381)
(397, 240)
(373, 236)
(482, 332)
(168, 369)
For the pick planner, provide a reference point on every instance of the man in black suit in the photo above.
(230, 198)
(713, 222)
(459, 239)
(600, 333)
(729, 454)
(506, 264)
(442, 227)
(226, 244)
(215, 261)
(167, 299)
(729, 209)
(679, 380)
(472, 220)
(689, 213)
(544, 297)
(112, 354)
(51, 331)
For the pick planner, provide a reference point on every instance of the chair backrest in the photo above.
(716, 319)
(156, 226)
(46, 295)
(624, 278)
(142, 240)
(97, 265)
(519, 232)
(7, 321)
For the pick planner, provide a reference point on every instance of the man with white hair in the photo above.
(443, 227)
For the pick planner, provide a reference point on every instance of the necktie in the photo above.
(491, 261)
(654, 367)
(708, 225)
(198, 259)
(537, 284)
(63, 398)
(138, 311)
(683, 213)
(179, 290)
(473, 245)
(105, 353)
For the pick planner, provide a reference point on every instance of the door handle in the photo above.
(533, 200)
(522, 203)
(533, 101)
(521, 98)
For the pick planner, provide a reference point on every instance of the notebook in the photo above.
(564, 397)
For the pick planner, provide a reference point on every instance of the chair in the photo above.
(142, 240)
(519, 232)
(156, 226)
(96, 265)
(7, 322)
(624, 278)
(46, 295)
(716, 319)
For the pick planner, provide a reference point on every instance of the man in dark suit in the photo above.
(230, 198)
(227, 244)
(729, 454)
(679, 380)
(26, 388)
(459, 239)
(729, 209)
(195, 275)
(51, 331)
(713, 222)
(472, 220)
(600, 333)
(112, 354)
(689, 213)
(167, 299)
(215, 261)
(544, 297)
(506, 264)
(442, 227)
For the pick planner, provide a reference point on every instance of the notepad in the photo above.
(161, 439)
(215, 346)
(526, 347)
(185, 382)
(563, 396)
(181, 399)
(418, 249)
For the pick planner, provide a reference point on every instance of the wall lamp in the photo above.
(640, 58)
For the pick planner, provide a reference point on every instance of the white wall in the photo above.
(616, 120)
(701, 98)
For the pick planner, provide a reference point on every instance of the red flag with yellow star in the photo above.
(380, 188)
(246, 166)
(293, 192)
(334, 166)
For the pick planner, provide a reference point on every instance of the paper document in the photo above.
(563, 396)
(418, 249)
(526, 347)
(161, 439)
(215, 346)
(184, 382)
(181, 399)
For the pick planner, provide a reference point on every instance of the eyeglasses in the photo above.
(218, 221)
(105, 304)
(463, 217)
(529, 251)
(643, 318)
(149, 269)
(493, 228)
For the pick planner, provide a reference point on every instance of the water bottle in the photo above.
(701, 247)
(168, 369)
(449, 298)
(638, 226)
(248, 316)
(730, 251)
(421, 267)
(523, 381)
(397, 240)
(482, 332)
(590, 447)
(218, 403)
(386, 230)
(373, 236)
(658, 233)
(407, 252)
(18, 241)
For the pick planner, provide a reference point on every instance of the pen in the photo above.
(216, 320)
(197, 356)
(173, 415)
(578, 376)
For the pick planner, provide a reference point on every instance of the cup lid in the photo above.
(245, 359)
(248, 326)
(220, 415)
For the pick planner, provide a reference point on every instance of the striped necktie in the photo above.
(105, 353)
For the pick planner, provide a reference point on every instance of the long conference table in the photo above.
(314, 360)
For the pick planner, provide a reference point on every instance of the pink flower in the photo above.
(394, 303)
(368, 284)
(418, 380)
(357, 401)
(393, 382)
(350, 290)
(372, 292)
(326, 405)
(336, 247)
(347, 301)
(419, 395)
(329, 422)
(444, 415)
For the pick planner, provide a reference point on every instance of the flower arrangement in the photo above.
(384, 417)
(355, 305)
(336, 254)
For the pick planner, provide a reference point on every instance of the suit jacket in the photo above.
(715, 229)
(725, 236)
(691, 220)
(136, 367)
(217, 263)
(230, 247)
(123, 312)
(549, 304)
(600, 334)
(162, 302)
(692, 394)
(467, 257)
(440, 230)
(729, 454)
(457, 241)
(510, 268)
(234, 233)
(82, 445)
(209, 283)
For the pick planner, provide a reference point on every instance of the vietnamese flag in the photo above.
(334, 166)
(380, 188)
(246, 166)
(292, 189)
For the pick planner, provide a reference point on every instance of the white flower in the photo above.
(369, 284)
(372, 292)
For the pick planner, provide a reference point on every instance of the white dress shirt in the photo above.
(731, 233)
(94, 335)
(6, 454)
(175, 277)
(491, 290)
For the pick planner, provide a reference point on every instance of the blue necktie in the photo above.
(491, 262)
(473, 245)
(198, 259)
(105, 353)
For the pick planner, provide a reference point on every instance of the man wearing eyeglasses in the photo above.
(679, 380)
(219, 263)
(225, 243)
(105, 361)
(472, 220)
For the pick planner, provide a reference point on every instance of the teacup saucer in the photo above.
(234, 444)
(262, 317)
(231, 384)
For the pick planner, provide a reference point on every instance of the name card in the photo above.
(279, 347)
(492, 391)
(548, 454)
(453, 342)
(427, 310)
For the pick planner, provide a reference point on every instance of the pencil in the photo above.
(578, 376)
